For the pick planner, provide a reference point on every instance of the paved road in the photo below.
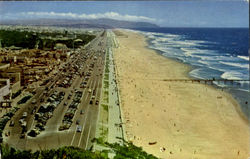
(51, 137)
(114, 123)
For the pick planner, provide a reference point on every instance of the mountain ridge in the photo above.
(81, 23)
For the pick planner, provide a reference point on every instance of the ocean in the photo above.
(213, 53)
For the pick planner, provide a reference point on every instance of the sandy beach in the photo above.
(190, 120)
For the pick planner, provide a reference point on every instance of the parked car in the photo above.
(24, 114)
(22, 136)
(12, 123)
(81, 112)
(96, 102)
(78, 121)
(41, 100)
(91, 102)
(78, 128)
(33, 101)
(89, 90)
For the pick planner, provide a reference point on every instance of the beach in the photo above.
(181, 120)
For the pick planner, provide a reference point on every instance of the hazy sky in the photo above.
(203, 13)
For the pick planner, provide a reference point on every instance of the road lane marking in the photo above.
(86, 145)
(97, 89)
(73, 138)
(83, 127)
(94, 87)
(84, 92)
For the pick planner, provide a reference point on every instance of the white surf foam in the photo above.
(195, 73)
(232, 75)
(244, 57)
(235, 64)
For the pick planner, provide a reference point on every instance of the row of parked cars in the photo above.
(69, 115)
(45, 112)
(4, 119)
(70, 70)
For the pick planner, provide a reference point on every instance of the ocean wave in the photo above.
(163, 39)
(233, 75)
(201, 53)
(218, 58)
(207, 63)
(235, 64)
(245, 90)
(196, 73)
(244, 57)
(217, 68)
(156, 35)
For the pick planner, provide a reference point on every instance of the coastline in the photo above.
(242, 109)
(204, 143)
(186, 74)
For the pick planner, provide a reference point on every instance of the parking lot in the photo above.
(64, 108)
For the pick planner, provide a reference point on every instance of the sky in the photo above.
(202, 13)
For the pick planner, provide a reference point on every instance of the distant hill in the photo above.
(82, 23)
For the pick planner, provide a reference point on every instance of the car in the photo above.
(12, 123)
(24, 124)
(81, 112)
(33, 101)
(61, 128)
(65, 103)
(96, 102)
(70, 95)
(21, 121)
(34, 133)
(24, 114)
(22, 136)
(77, 121)
(78, 128)
(40, 126)
(91, 102)
(33, 111)
(89, 90)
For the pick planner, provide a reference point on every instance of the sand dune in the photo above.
(190, 120)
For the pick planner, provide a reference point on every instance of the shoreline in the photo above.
(233, 92)
(190, 68)
(237, 102)
(227, 98)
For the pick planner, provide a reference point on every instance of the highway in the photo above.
(51, 137)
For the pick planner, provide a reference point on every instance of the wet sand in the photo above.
(190, 120)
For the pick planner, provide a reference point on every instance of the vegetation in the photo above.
(19, 39)
(125, 151)
(105, 107)
(106, 76)
(106, 69)
(106, 83)
(63, 152)
(25, 39)
(106, 96)
(70, 43)
(104, 133)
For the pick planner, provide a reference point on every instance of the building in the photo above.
(4, 89)
(14, 80)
